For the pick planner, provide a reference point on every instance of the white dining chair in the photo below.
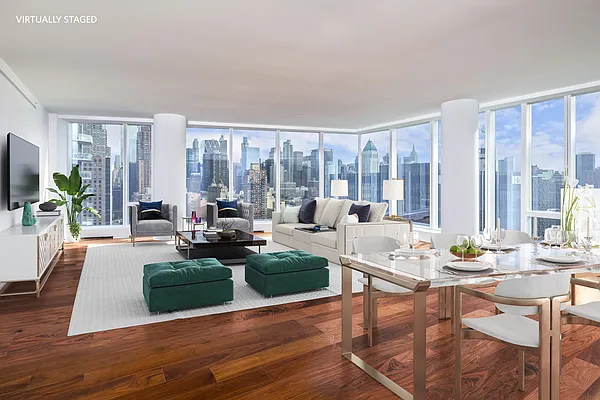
(583, 314)
(517, 298)
(517, 237)
(443, 240)
(375, 288)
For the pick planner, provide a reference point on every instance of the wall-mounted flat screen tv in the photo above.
(23, 172)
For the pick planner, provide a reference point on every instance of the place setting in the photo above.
(467, 251)
(412, 239)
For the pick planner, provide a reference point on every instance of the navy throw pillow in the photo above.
(362, 211)
(227, 209)
(307, 211)
(150, 210)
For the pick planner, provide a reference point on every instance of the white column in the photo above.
(460, 171)
(168, 160)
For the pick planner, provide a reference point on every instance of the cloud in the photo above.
(587, 131)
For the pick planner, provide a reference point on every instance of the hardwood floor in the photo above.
(283, 352)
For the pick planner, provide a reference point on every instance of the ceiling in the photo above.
(325, 63)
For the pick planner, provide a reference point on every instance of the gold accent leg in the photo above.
(573, 291)
(555, 349)
(545, 353)
(419, 344)
(458, 344)
(521, 370)
(37, 288)
(370, 311)
(365, 306)
(133, 240)
(374, 310)
(346, 311)
(442, 303)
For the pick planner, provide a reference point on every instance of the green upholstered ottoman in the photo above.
(286, 272)
(176, 285)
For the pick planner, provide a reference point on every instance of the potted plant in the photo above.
(72, 195)
(227, 232)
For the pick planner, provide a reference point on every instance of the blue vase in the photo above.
(28, 217)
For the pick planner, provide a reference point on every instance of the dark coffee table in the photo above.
(228, 252)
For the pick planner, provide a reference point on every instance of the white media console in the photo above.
(29, 253)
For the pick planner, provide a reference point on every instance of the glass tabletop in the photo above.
(240, 238)
(432, 267)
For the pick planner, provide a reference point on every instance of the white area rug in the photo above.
(109, 295)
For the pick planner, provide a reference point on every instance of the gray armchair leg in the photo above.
(133, 240)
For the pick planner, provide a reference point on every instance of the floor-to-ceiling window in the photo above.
(299, 167)
(587, 139)
(341, 162)
(98, 150)
(547, 156)
(254, 170)
(481, 177)
(413, 146)
(207, 165)
(375, 164)
(139, 159)
(508, 167)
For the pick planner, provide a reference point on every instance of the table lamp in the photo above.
(339, 188)
(393, 190)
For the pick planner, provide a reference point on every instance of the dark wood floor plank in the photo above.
(289, 351)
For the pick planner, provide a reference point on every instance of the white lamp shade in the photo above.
(339, 188)
(393, 189)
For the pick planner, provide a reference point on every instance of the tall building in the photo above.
(255, 190)
(287, 160)
(215, 169)
(370, 171)
(585, 163)
(417, 197)
(144, 160)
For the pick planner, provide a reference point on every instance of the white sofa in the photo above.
(331, 244)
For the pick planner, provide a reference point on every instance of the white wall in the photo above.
(19, 116)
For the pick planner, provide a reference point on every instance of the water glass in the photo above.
(413, 239)
(499, 236)
(401, 239)
(462, 242)
(550, 236)
(488, 235)
(476, 243)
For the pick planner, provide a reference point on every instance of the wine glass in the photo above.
(476, 243)
(550, 236)
(488, 235)
(499, 236)
(401, 239)
(562, 237)
(413, 239)
(462, 242)
(584, 240)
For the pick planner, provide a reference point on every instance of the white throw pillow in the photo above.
(377, 212)
(349, 219)
(321, 203)
(331, 212)
(290, 215)
(344, 211)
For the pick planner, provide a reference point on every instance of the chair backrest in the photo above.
(443, 240)
(531, 287)
(374, 244)
(517, 237)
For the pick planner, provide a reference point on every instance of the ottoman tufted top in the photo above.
(285, 261)
(176, 273)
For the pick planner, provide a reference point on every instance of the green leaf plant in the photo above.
(71, 194)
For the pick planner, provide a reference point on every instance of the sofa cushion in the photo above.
(343, 211)
(361, 211)
(238, 223)
(349, 219)
(154, 225)
(321, 203)
(328, 239)
(174, 273)
(285, 261)
(290, 214)
(288, 229)
(377, 210)
(331, 212)
(307, 211)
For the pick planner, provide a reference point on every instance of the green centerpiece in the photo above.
(72, 194)
(28, 219)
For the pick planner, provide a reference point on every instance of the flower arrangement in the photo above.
(574, 201)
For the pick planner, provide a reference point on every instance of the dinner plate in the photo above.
(492, 246)
(560, 258)
(412, 252)
(467, 266)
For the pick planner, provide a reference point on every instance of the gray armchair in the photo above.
(153, 227)
(245, 222)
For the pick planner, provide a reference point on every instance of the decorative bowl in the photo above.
(226, 235)
(468, 255)
(47, 206)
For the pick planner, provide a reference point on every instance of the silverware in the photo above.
(445, 271)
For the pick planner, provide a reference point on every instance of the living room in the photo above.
(302, 200)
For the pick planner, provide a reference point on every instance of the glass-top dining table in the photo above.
(422, 272)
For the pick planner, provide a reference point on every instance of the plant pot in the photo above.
(69, 237)
(226, 235)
